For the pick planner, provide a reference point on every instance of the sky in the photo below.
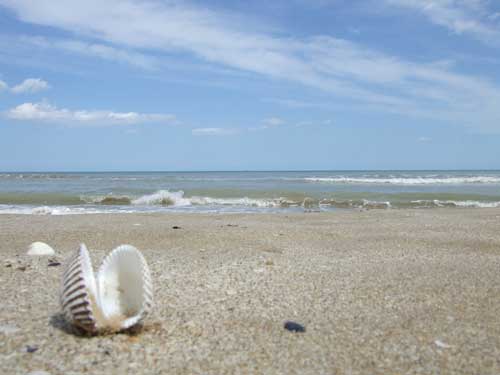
(249, 85)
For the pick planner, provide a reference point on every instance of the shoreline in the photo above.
(379, 291)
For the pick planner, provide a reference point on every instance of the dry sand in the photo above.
(379, 292)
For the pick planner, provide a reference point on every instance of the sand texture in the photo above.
(379, 292)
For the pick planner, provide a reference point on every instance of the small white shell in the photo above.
(40, 249)
(120, 297)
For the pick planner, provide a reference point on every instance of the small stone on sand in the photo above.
(441, 344)
(31, 348)
(294, 327)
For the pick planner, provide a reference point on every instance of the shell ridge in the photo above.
(71, 283)
(77, 288)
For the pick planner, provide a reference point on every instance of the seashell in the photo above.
(40, 249)
(120, 297)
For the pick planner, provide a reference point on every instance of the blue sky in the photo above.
(245, 85)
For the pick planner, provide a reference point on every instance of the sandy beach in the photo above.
(379, 292)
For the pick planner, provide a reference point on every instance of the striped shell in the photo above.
(118, 298)
(79, 292)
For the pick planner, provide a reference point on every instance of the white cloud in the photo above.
(44, 112)
(273, 121)
(376, 80)
(459, 16)
(3, 86)
(213, 131)
(31, 85)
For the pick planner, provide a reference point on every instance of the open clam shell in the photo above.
(120, 297)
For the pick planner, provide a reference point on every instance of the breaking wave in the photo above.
(407, 180)
(163, 198)
(177, 199)
(450, 203)
(166, 200)
(106, 200)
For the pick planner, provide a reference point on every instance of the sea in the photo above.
(64, 193)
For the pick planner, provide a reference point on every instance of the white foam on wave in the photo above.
(246, 202)
(37, 210)
(474, 204)
(56, 210)
(163, 197)
(177, 199)
(376, 204)
(407, 180)
(173, 201)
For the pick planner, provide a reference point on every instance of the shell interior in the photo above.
(124, 286)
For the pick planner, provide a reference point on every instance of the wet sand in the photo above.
(379, 292)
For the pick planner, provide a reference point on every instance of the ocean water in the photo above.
(77, 193)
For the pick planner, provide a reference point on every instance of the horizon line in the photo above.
(251, 170)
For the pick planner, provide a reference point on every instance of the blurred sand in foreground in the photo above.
(379, 292)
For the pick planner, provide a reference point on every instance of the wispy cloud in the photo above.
(31, 85)
(3, 86)
(268, 123)
(101, 51)
(341, 68)
(459, 16)
(213, 131)
(44, 112)
(303, 124)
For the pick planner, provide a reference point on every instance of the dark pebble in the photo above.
(31, 349)
(54, 264)
(294, 327)
(22, 268)
(176, 227)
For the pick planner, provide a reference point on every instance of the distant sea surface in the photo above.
(73, 193)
